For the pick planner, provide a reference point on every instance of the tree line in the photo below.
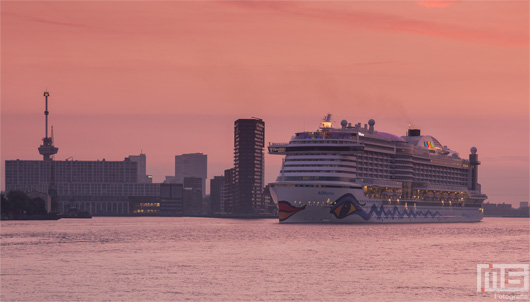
(18, 203)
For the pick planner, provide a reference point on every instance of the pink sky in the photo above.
(171, 77)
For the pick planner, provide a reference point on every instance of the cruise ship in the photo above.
(356, 174)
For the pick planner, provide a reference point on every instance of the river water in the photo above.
(209, 259)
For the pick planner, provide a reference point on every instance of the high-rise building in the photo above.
(216, 194)
(193, 196)
(249, 142)
(191, 165)
(171, 180)
(269, 207)
(229, 188)
(171, 199)
(142, 168)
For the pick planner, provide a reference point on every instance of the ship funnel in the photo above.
(474, 163)
(414, 132)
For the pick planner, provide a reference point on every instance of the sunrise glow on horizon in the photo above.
(167, 78)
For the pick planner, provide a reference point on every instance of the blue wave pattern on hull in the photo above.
(395, 212)
(347, 205)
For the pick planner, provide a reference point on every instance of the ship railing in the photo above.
(315, 142)
(439, 187)
(381, 182)
(323, 141)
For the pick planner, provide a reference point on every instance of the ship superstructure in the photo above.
(357, 174)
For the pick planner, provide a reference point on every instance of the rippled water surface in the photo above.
(155, 258)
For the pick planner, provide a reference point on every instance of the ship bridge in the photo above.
(319, 141)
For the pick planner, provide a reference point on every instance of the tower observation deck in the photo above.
(47, 149)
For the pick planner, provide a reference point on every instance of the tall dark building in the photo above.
(191, 165)
(171, 199)
(193, 196)
(216, 193)
(229, 188)
(249, 141)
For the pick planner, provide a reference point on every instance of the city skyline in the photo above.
(464, 81)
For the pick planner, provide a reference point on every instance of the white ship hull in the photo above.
(355, 174)
(301, 204)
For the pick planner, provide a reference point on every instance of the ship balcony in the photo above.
(404, 170)
(402, 161)
(405, 165)
(309, 171)
(278, 144)
(320, 141)
(306, 165)
(316, 148)
(401, 175)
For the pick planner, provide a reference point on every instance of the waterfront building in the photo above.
(142, 168)
(249, 161)
(227, 200)
(216, 194)
(269, 207)
(171, 199)
(506, 210)
(193, 196)
(144, 205)
(99, 187)
(171, 180)
(191, 165)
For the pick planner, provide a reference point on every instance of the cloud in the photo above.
(45, 21)
(391, 22)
